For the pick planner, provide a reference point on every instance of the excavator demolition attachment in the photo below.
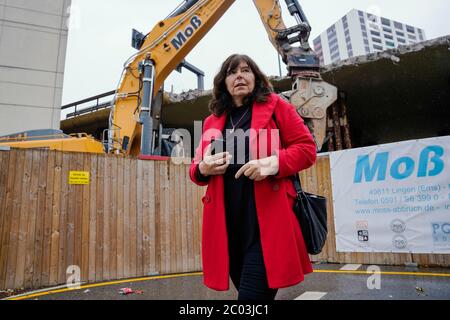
(312, 97)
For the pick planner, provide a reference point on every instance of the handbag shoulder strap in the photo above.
(294, 178)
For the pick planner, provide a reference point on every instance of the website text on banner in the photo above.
(393, 197)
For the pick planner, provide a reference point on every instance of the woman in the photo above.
(250, 232)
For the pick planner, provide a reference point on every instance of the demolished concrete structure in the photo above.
(395, 95)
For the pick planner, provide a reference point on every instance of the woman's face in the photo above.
(240, 82)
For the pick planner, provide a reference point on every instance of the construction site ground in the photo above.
(328, 282)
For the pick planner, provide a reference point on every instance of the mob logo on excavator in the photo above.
(183, 36)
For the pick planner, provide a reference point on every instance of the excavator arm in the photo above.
(135, 122)
(310, 94)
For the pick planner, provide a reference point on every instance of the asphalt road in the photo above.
(328, 282)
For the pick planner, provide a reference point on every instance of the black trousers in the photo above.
(248, 275)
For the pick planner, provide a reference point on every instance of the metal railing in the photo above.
(93, 108)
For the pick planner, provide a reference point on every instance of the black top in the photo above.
(240, 207)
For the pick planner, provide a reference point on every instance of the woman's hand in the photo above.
(259, 169)
(212, 165)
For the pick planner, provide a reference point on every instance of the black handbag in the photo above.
(311, 213)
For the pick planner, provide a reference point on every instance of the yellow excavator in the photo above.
(135, 120)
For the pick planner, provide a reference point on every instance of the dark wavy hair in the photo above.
(222, 101)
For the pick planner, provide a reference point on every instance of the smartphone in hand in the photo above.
(217, 146)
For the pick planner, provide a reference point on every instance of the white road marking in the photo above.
(351, 267)
(311, 295)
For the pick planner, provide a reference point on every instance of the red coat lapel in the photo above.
(262, 113)
(217, 122)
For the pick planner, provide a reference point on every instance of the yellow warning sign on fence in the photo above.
(78, 177)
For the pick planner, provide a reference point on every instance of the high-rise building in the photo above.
(359, 33)
(33, 41)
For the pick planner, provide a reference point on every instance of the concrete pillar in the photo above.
(33, 41)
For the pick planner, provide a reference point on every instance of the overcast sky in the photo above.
(100, 36)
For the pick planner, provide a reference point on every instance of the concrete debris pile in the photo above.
(186, 96)
(392, 54)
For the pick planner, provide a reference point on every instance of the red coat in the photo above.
(285, 256)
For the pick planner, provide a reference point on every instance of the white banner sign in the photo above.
(393, 197)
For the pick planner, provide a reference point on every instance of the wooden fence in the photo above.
(135, 218)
